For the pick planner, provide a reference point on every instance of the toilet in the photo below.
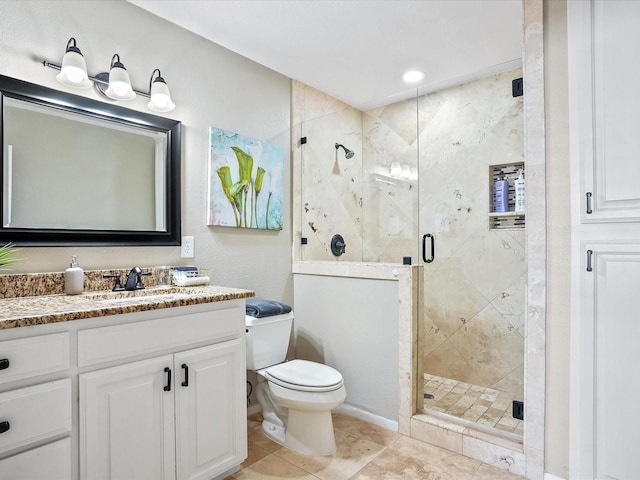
(296, 397)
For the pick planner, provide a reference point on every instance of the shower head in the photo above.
(347, 153)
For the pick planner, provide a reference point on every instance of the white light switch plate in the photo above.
(186, 250)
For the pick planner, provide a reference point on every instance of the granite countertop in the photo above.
(23, 311)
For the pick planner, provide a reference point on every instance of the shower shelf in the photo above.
(511, 219)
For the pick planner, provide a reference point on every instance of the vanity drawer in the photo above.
(28, 357)
(51, 461)
(34, 413)
(118, 342)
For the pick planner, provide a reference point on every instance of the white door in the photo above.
(127, 423)
(210, 410)
(608, 347)
(604, 110)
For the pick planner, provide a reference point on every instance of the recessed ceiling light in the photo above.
(413, 76)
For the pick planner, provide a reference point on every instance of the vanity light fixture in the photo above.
(73, 72)
(119, 81)
(114, 85)
(160, 100)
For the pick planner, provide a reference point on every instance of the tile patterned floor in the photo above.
(365, 452)
(481, 405)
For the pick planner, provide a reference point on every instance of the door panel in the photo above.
(613, 288)
(127, 422)
(209, 411)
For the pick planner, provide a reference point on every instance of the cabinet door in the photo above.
(607, 347)
(127, 423)
(604, 109)
(210, 410)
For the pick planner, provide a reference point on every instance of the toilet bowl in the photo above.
(296, 397)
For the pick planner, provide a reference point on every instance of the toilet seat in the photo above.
(304, 376)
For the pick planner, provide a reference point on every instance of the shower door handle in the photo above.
(424, 248)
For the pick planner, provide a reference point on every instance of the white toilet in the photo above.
(297, 396)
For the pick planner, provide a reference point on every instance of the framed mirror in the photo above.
(77, 171)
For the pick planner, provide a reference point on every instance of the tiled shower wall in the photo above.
(328, 185)
(472, 326)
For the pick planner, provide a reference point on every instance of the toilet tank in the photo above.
(267, 340)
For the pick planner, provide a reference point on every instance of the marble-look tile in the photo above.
(451, 300)
(436, 435)
(511, 303)
(487, 472)
(371, 432)
(255, 453)
(257, 437)
(490, 347)
(447, 361)
(407, 458)
(364, 452)
(498, 456)
(393, 465)
(272, 468)
(453, 465)
(353, 453)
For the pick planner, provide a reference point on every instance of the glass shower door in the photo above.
(471, 323)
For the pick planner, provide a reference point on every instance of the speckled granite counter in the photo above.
(44, 308)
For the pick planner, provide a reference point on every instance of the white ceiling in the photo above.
(357, 50)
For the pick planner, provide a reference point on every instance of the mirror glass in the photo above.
(78, 171)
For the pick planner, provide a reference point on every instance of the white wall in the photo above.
(210, 85)
(351, 324)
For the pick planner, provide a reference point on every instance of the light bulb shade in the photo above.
(160, 98)
(73, 71)
(119, 82)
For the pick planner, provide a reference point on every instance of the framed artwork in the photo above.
(245, 181)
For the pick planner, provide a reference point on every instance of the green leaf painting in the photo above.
(245, 182)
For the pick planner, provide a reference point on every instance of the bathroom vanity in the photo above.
(106, 384)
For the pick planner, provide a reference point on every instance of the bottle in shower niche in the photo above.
(501, 201)
(73, 278)
(519, 187)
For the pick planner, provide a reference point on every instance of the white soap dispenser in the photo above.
(73, 278)
(519, 188)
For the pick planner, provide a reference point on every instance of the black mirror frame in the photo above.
(11, 87)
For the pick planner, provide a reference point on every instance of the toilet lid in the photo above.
(305, 376)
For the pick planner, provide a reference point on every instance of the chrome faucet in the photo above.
(134, 279)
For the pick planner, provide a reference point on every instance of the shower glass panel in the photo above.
(390, 165)
(370, 198)
(471, 327)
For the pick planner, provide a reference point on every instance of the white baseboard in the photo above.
(548, 476)
(368, 417)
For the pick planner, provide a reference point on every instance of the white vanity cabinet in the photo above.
(180, 415)
(148, 394)
(174, 416)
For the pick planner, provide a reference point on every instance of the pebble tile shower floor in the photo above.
(481, 405)
(365, 452)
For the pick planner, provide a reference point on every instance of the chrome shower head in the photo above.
(347, 153)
